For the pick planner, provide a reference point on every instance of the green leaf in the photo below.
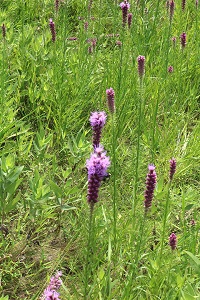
(195, 261)
(11, 205)
(56, 189)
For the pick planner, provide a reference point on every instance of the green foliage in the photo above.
(9, 183)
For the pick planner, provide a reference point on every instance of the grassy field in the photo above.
(58, 59)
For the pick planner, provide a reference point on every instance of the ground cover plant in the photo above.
(99, 150)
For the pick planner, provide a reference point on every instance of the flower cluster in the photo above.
(172, 168)
(173, 241)
(183, 40)
(111, 100)
(97, 121)
(97, 170)
(170, 69)
(53, 31)
(50, 293)
(150, 187)
(125, 6)
(171, 9)
(141, 61)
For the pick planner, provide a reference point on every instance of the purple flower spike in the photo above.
(3, 31)
(183, 40)
(130, 17)
(183, 4)
(111, 100)
(97, 121)
(171, 9)
(197, 3)
(52, 28)
(173, 241)
(172, 168)
(141, 61)
(56, 5)
(125, 6)
(170, 69)
(50, 293)
(97, 169)
(150, 187)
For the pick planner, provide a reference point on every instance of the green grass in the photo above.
(48, 91)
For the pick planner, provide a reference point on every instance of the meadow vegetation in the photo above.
(57, 60)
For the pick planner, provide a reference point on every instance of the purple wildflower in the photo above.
(86, 26)
(174, 41)
(150, 187)
(141, 61)
(171, 9)
(97, 121)
(183, 39)
(173, 241)
(56, 5)
(192, 222)
(183, 4)
(130, 17)
(97, 169)
(125, 6)
(172, 168)
(3, 31)
(118, 43)
(52, 28)
(170, 69)
(197, 3)
(111, 100)
(50, 293)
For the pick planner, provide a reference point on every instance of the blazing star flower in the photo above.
(111, 100)
(173, 241)
(97, 167)
(150, 187)
(183, 4)
(3, 27)
(183, 40)
(50, 293)
(125, 6)
(97, 121)
(52, 28)
(141, 62)
(170, 69)
(172, 168)
(130, 17)
(171, 9)
(56, 5)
